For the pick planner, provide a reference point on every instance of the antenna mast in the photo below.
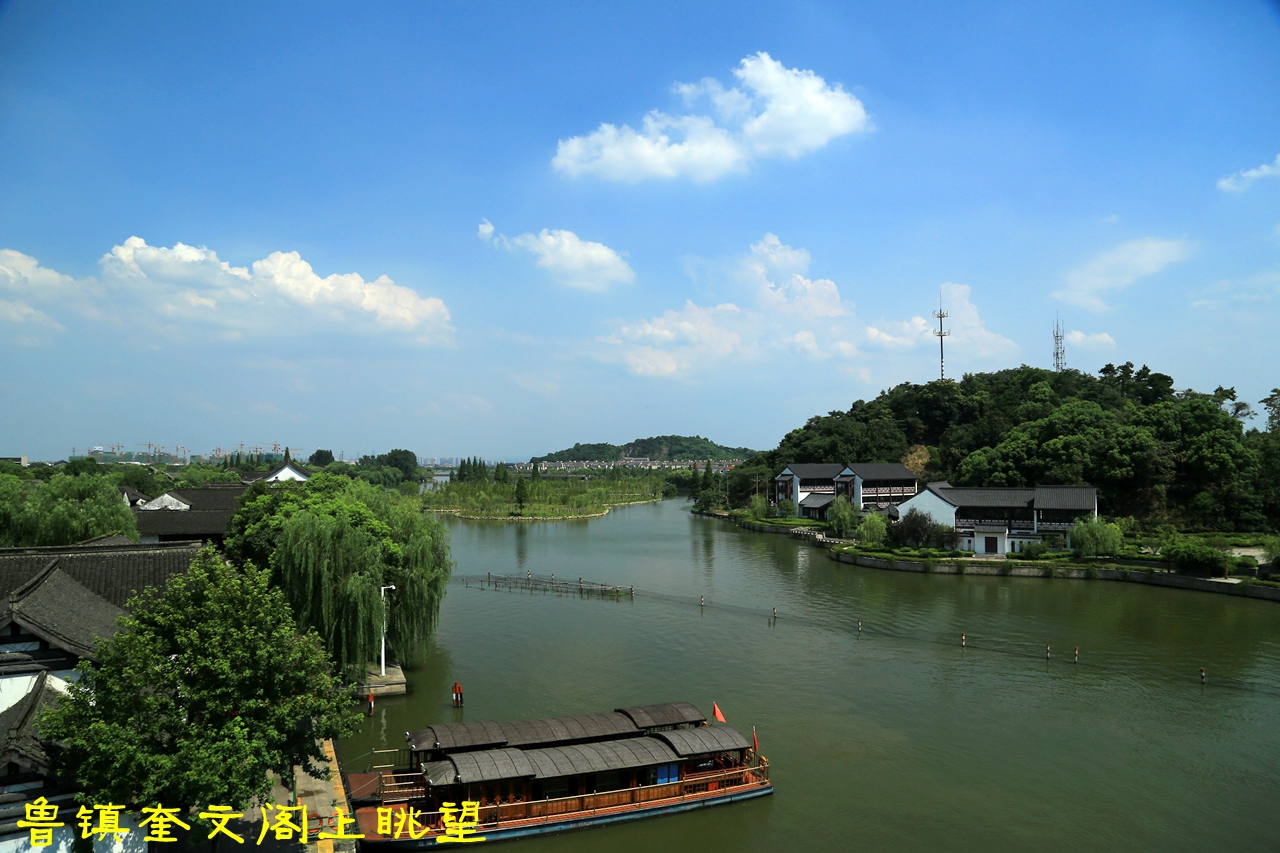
(941, 315)
(1059, 352)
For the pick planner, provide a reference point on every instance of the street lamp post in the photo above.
(383, 593)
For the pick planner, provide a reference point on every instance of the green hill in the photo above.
(675, 448)
(1154, 452)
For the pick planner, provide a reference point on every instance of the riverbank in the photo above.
(460, 513)
(838, 549)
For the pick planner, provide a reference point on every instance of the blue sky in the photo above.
(499, 229)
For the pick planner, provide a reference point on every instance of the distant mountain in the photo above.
(675, 448)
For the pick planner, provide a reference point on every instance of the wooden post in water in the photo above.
(1077, 660)
(1202, 676)
(1046, 651)
(859, 626)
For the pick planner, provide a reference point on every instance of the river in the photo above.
(895, 739)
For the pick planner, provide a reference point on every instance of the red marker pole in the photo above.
(963, 640)
(371, 703)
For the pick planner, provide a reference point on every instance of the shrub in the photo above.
(1188, 556)
(786, 508)
(1035, 551)
(1094, 537)
(758, 508)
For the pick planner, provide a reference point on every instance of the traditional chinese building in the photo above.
(999, 520)
(812, 487)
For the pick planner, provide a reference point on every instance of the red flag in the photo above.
(755, 742)
(719, 715)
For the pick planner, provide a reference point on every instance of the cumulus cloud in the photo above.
(781, 311)
(567, 258)
(964, 323)
(1117, 269)
(1240, 181)
(187, 285)
(1098, 340)
(778, 112)
(791, 293)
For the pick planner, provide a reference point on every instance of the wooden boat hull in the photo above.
(524, 829)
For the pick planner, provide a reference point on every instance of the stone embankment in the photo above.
(1155, 575)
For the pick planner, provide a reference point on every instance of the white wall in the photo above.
(931, 505)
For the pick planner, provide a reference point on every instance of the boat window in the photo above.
(551, 789)
(610, 781)
(668, 773)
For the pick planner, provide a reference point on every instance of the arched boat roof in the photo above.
(664, 714)
(487, 734)
(704, 740)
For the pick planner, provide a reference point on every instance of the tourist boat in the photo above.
(549, 775)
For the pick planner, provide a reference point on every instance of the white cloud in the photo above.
(782, 312)
(567, 258)
(1099, 340)
(191, 285)
(782, 113)
(21, 312)
(964, 324)
(1117, 269)
(793, 293)
(1240, 181)
(900, 334)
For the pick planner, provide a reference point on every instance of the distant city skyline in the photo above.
(500, 230)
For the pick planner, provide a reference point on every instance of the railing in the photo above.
(546, 810)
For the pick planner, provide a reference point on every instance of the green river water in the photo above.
(892, 740)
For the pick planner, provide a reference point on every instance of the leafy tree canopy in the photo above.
(206, 688)
(62, 511)
(662, 448)
(331, 544)
(321, 458)
(1153, 452)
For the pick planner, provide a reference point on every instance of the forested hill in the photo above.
(659, 447)
(1154, 453)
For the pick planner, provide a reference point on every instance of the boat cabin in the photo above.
(537, 775)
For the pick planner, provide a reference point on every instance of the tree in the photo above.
(1093, 537)
(404, 461)
(321, 458)
(709, 477)
(786, 508)
(331, 544)
(205, 690)
(872, 531)
(915, 529)
(522, 493)
(537, 472)
(63, 511)
(842, 516)
(758, 507)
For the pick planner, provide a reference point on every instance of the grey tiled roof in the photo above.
(21, 742)
(964, 496)
(199, 524)
(815, 470)
(815, 500)
(882, 471)
(664, 714)
(1066, 497)
(63, 612)
(703, 740)
(112, 572)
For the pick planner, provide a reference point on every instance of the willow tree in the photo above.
(332, 544)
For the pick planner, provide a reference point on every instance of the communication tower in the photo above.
(942, 334)
(1059, 351)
